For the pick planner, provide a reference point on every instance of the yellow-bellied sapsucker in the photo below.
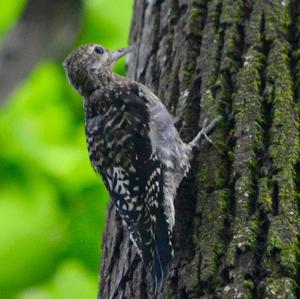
(133, 144)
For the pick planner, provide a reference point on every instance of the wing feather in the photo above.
(121, 150)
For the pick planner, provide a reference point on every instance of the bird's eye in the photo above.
(99, 50)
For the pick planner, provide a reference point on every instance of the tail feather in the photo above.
(163, 253)
(157, 273)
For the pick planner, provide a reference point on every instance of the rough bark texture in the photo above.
(237, 213)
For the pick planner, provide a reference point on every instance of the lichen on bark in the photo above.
(237, 212)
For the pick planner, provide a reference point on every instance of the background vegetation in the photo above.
(52, 205)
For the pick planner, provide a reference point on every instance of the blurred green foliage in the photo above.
(52, 204)
(10, 11)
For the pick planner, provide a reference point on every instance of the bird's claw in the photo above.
(195, 143)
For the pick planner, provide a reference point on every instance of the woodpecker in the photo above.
(135, 147)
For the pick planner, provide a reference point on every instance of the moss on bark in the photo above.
(237, 212)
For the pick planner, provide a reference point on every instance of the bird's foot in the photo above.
(206, 129)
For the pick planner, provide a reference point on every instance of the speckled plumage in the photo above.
(134, 145)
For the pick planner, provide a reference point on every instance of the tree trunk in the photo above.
(237, 212)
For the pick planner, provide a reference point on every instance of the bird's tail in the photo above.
(163, 252)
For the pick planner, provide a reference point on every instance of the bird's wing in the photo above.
(134, 177)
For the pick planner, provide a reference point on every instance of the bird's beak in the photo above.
(121, 52)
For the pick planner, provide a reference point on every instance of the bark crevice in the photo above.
(237, 228)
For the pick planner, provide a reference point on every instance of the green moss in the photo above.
(280, 288)
(203, 177)
(196, 19)
(282, 245)
(170, 38)
(221, 145)
(208, 102)
(191, 274)
(252, 233)
(277, 19)
(248, 284)
(224, 196)
(174, 15)
(219, 175)
(265, 196)
(213, 216)
(195, 14)
(189, 67)
(209, 262)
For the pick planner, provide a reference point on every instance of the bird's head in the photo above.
(89, 65)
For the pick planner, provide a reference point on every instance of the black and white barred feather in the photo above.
(121, 150)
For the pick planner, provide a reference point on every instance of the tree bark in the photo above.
(237, 212)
